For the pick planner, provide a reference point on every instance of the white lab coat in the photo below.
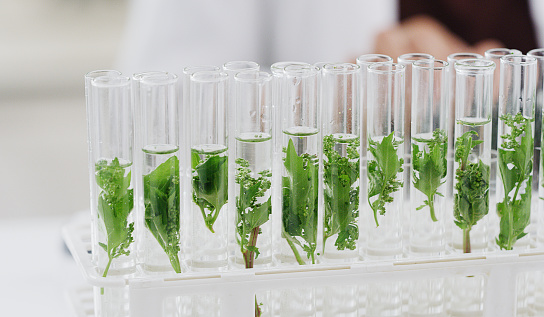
(171, 34)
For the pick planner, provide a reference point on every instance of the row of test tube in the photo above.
(334, 162)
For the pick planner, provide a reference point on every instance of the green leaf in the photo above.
(251, 214)
(162, 208)
(115, 202)
(210, 186)
(430, 168)
(383, 171)
(341, 198)
(300, 194)
(515, 167)
(471, 199)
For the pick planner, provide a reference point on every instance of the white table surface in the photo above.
(36, 270)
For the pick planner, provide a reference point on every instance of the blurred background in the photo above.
(47, 47)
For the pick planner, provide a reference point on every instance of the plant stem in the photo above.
(466, 240)
(431, 206)
(249, 256)
(257, 308)
(174, 260)
(375, 213)
(294, 249)
(110, 258)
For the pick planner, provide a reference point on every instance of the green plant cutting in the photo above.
(430, 169)
(162, 208)
(210, 185)
(299, 208)
(515, 167)
(115, 203)
(471, 200)
(251, 215)
(341, 209)
(383, 172)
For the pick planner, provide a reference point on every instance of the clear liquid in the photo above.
(385, 241)
(305, 139)
(209, 249)
(154, 258)
(427, 236)
(256, 149)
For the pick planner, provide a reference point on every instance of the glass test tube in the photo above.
(253, 159)
(341, 161)
(452, 59)
(385, 130)
(364, 61)
(231, 69)
(300, 186)
(186, 170)
(429, 157)
(278, 96)
(474, 88)
(209, 162)
(495, 56)
(161, 239)
(538, 183)
(407, 60)
(110, 139)
(515, 150)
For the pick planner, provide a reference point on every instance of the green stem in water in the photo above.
(466, 240)
(294, 248)
(431, 207)
(174, 260)
(110, 258)
(249, 256)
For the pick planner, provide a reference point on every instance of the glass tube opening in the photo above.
(536, 53)
(279, 68)
(520, 60)
(474, 66)
(460, 56)
(411, 57)
(240, 65)
(500, 52)
(373, 58)
(431, 64)
(341, 68)
(209, 76)
(389, 68)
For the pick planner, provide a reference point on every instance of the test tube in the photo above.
(515, 150)
(300, 186)
(407, 60)
(253, 159)
(186, 170)
(110, 125)
(278, 96)
(429, 157)
(538, 217)
(385, 153)
(473, 100)
(495, 56)
(209, 162)
(364, 61)
(452, 59)
(341, 161)
(231, 69)
(161, 237)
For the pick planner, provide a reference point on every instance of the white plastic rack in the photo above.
(508, 291)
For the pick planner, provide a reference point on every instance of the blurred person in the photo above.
(443, 27)
(172, 34)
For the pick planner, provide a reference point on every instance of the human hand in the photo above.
(423, 34)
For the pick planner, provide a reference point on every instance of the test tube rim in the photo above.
(537, 53)
(347, 68)
(412, 57)
(260, 77)
(110, 81)
(526, 60)
(159, 79)
(393, 68)
(214, 76)
(421, 64)
(467, 66)
(254, 66)
(361, 60)
(501, 51)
